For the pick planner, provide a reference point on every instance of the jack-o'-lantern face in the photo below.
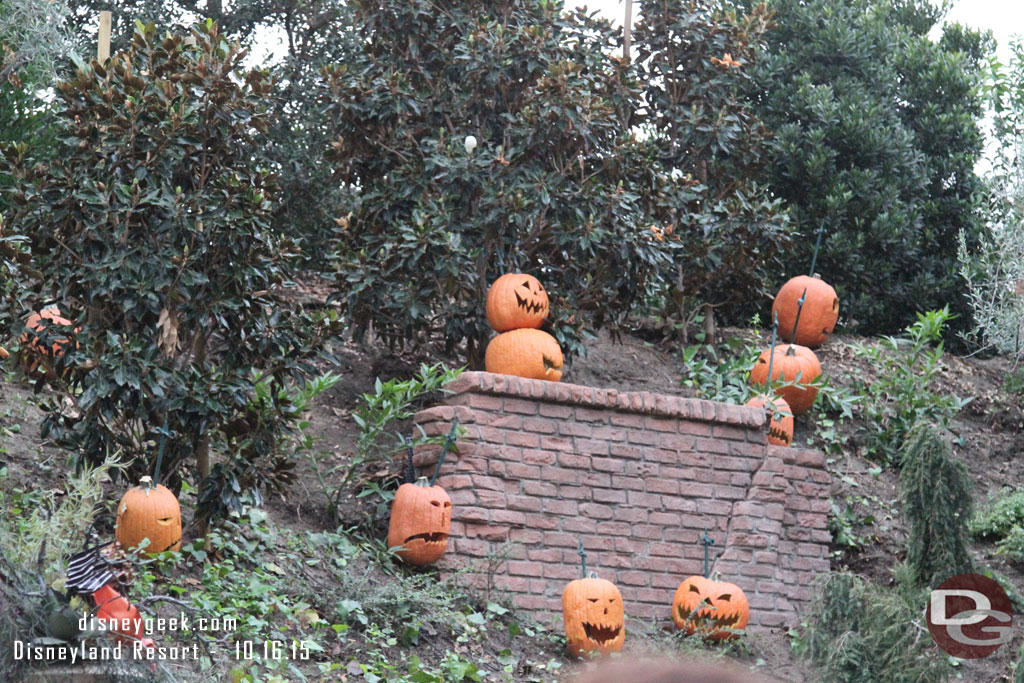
(152, 512)
(533, 354)
(421, 519)
(594, 616)
(780, 427)
(714, 609)
(516, 301)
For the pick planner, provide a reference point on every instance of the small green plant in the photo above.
(858, 632)
(936, 492)
(845, 523)
(902, 391)
(1003, 521)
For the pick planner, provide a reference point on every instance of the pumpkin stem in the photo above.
(423, 482)
(817, 246)
(799, 310)
(583, 557)
(146, 484)
(708, 542)
(448, 441)
(771, 353)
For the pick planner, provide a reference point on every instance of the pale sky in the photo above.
(1004, 18)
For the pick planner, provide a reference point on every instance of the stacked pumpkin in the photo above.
(517, 306)
(805, 312)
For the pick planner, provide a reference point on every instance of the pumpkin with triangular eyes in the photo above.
(780, 426)
(152, 512)
(421, 520)
(714, 609)
(516, 301)
(595, 619)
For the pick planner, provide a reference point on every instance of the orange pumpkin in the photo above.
(37, 329)
(421, 520)
(818, 317)
(516, 301)
(152, 512)
(3, 353)
(709, 607)
(594, 616)
(780, 428)
(790, 361)
(533, 354)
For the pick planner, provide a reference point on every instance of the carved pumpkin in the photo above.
(152, 512)
(780, 428)
(714, 605)
(421, 519)
(595, 619)
(790, 360)
(516, 301)
(533, 354)
(819, 315)
(36, 331)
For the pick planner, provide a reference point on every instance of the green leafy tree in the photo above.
(696, 60)
(152, 226)
(994, 271)
(876, 139)
(936, 491)
(553, 186)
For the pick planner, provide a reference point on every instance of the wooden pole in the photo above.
(103, 47)
(627, 30)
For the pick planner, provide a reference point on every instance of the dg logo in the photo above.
(970, 616)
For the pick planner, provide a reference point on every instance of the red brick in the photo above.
(538, 457)
(561, 572)
(694, 428)
(667, 486)
(558, 538)
(511, 517)
(625, 451)
(595, 479)
(644, 438)
(560, 507)
(591, 415)
(627, 483)
(521, 568)
(481, 481)
(520, 470)
(462, 497)
(694, 489)
(630, 515)
(633, 578)
(608, 464)
(575, 429)
(573, 461)
(661, 424)
(522, 439)
(574, 492)
(580, 525)
(487, 531)
(557, 443)
(469, 513)
(608, 434)
(541, 521)
(562, 475)
(540, 488)
(555, 410)
(595, 511)
(528, 536)
(591, 447)
(609, 496)
(650, 501)
(514, 584)
(627, 420)
(521, 406)
(545, 555)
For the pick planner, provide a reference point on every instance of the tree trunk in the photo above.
(709, 324)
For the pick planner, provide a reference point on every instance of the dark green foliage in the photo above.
(552, 189)
(936, 492)
(858, 632)
(1018, 672)
(153, 227)
(714, 152)
(876, 138)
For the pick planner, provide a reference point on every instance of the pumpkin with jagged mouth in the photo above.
(149, 511)
(594, 616)
(421, 520)
(780, 426)
(516, 301)
(716, 610)
(529, 353)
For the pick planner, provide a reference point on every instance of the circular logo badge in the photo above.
(970, 616)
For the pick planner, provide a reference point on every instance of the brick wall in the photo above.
(638, 477)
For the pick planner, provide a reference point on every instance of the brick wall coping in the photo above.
(640, 402)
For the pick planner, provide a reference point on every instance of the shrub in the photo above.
(936, 492)
(1003, 522)
(549, 190)
(857, 632)
(901, 394)
(174, 275)
(876, 137)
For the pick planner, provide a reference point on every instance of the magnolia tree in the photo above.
(994, 271)
(552, 185)
(151, 229)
